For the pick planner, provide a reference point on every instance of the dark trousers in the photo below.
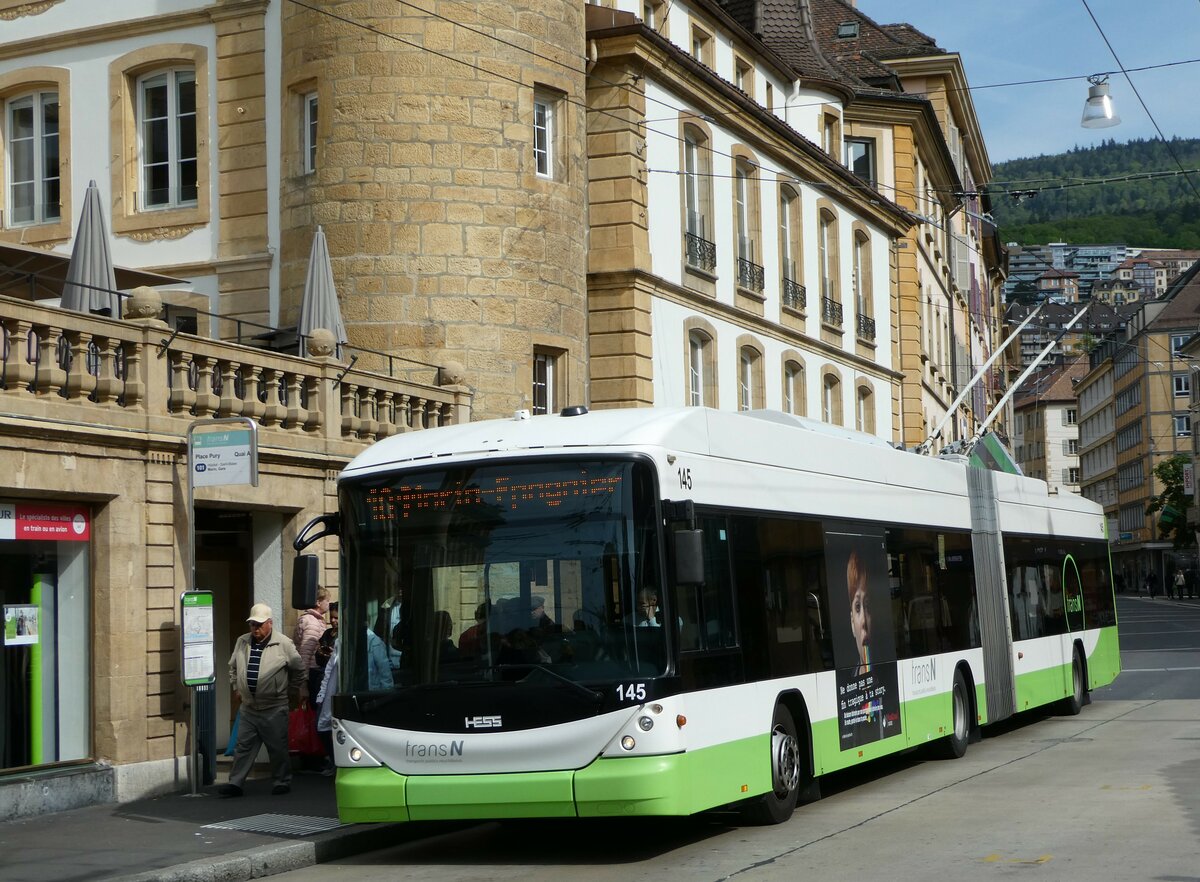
(256, 728)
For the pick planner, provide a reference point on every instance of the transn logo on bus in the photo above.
(483, 723)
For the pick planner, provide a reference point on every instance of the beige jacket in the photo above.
(279, 670)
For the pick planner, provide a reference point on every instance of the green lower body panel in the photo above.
(679, 784)
(1104, 663)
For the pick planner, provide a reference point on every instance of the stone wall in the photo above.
(445, 242)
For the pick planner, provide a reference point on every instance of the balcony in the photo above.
(750, 275)
(134, 375)
(700, 253)
(794, 296)
(866, 328)
(831, 312)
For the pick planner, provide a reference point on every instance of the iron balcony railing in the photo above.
(794, 294)
(866, 327)
(701, 253)
(831, 312)
(750, 275)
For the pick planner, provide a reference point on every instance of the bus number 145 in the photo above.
(632, 692)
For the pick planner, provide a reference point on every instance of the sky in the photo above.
(1012, 41)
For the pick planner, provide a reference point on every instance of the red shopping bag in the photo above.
(302, 732)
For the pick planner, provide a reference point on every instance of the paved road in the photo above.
(1160, 650)
(1113, 793)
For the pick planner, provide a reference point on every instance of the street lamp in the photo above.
(1098, 112)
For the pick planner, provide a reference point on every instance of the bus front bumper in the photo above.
(630, 786)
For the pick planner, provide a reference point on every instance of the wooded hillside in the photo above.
(1069, 205)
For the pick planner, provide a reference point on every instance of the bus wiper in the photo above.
(536, 670)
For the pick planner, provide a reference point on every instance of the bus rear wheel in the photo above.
(954, 745)
(1073, 703)
(777, 805)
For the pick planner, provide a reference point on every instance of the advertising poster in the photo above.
(864, 649)
(21, 626)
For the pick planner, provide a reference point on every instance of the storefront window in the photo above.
(44, 675)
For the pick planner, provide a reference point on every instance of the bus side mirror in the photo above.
(689, 557)
(305, 579)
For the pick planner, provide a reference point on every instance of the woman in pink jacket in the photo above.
(308, 633)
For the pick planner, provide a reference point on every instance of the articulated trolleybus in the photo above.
(663, 611)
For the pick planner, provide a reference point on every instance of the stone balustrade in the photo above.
(135, 375)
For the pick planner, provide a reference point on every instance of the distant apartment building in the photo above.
(1058, 286)
(1047, 326)
(1097, 431)
(1026, 263)
(1046, 427)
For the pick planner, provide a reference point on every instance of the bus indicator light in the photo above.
(681, 721)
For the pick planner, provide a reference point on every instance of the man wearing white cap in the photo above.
(263, 668)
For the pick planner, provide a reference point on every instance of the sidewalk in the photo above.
(168, 838)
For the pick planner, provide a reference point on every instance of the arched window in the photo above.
(789, 248)
(750, 377)
(699, 249)
(827, 259)
(862, 285)
(701, 369)
(747, 224)
(794, 391)
(831, 399)
(864, 410)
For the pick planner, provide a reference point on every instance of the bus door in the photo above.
(708, 636)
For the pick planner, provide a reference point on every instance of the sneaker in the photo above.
(227, 790)
(280, 789)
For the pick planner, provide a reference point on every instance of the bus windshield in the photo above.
(498, 572)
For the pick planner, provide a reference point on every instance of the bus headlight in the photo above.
(645, 724)
(355, 754)
(341, 737)
(628, 743)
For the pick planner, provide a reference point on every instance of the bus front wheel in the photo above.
(777, 805)
(1073, 703)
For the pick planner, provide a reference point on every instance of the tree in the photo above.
(1171, 505)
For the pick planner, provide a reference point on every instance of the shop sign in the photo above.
(46, 522)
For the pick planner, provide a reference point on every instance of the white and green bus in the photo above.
(664, 611)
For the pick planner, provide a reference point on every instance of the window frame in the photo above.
(1182, 385)
(546, 380)
(38, 139)
(831, 398)
(173, 77)
(794, 387)
(700, 364)
(544, 131)
(125, 73)
(15, 86)
(869, 154)
(310, 108)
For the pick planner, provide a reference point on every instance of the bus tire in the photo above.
(787, 768)
(1073, 703)
(954, 745)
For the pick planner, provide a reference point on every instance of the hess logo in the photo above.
(482, 722)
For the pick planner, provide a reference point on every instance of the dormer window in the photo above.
(847, 30)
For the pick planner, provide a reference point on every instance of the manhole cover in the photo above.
(286, 825)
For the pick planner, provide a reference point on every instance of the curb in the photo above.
(282, 857)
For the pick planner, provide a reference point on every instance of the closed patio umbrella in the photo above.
(319, 306)
(91, 284)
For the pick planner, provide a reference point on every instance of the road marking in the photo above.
(1156, 670)
(1000, 859)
